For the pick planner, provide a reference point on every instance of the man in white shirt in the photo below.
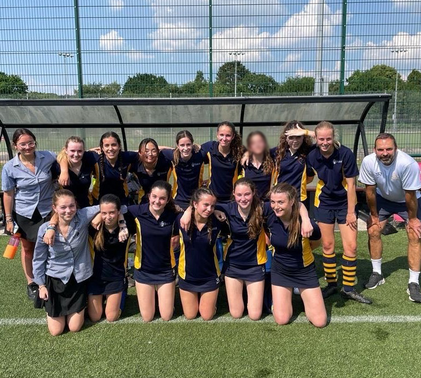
(392, 180)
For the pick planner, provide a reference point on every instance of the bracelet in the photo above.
(51, 227)
(306, 132)
(41, 286)
(9, 220)
(8, 216)
(123, 227)
(122, 221)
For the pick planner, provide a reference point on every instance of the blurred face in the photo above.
(74, 152)
(385, 151)
(257, 145)
(111, 148)
(281, 205)
(243, 195)
(224, 136)
(185, 146)
(65, 207)
(109, 214)
(149, 154)
(26, 145)
(158, 199)
(294, 142)
(325, 140)
(205, 206)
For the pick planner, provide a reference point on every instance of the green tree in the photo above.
(100, 90)
(258, 84)
(198, 86)
(378, 78)
(413, 82)
(145, 84)
(297, 85)
(12, 85)
(226, 74)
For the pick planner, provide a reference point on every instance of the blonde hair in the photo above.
(329, 126)
(294, 227)
(62, 154)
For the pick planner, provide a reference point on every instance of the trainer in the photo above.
(392, 180)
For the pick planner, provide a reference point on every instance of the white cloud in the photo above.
(174, 36)
(382, 53)
(137, 55)
(409, 4)
(116, 5)
(111, 41)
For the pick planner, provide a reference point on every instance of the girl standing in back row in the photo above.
(335, 201)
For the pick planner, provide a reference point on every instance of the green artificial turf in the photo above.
(222, 348)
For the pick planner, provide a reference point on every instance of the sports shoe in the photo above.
(32, 291)
(414, 292)
(329, 290)
(375, 280)
(355, 296)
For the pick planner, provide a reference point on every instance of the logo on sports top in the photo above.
(337, 161)
(162, 224)
(217, 280)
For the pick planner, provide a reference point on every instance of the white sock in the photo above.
(377, 265)
(414, 276)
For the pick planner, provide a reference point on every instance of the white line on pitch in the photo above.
(226, 319)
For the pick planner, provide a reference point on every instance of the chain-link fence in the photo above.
(186, 48)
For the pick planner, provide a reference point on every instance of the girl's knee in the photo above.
(112, 317)
(282, 319)
(255, 315)
(237, 313)
(94, 317)
(319, 322)
(56, 331)
(75, 327)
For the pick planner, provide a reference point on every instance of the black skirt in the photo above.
(65, 299)
(302, 278)
(28, 228)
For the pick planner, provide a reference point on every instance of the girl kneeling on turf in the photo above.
(198, 267)
(62, 269)
(154, 257)
(109, 256)
(293, 260)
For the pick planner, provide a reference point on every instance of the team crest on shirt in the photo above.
(218, 280)
(195, 164)
(162, 224)
(337, 161)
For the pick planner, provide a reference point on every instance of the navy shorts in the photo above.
(329, 216)
(302, 278)
(386, 208)
(199, 286)
(253, 273)
(154, 278)
(98, 287)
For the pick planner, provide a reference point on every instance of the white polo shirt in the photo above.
(391, 180)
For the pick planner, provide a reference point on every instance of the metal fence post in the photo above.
(78, 50)
(343, 47)
(210, 51)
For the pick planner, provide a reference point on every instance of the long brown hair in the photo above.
(283, 144)
(196, 196)
(236, 146)
(181, 135)
(256, 210)
(267, 159)
(19, 132)
(62, 154)
(329, 126)
(161, 184)
(110, 134)
(99, 235)
(294, 227)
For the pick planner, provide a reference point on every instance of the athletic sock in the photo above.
(329, 266)
(413, 276)
(377, 265)
(349, 272)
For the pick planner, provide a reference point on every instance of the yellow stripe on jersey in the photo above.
(274, 177)
(303, 186)
(262, 256)
(209, 169)
(91, 249)
(175, 183)
(126, 258)
(182, 258)
(94, 194)
(229, 242)
(235, 178)
(308, 256)
(138, 252)
(215, 259)
(202, 168)
(345, 184)
(173, 263)
(140, 194)
(319, 188)
(242, 174)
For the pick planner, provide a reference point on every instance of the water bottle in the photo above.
(12, 247)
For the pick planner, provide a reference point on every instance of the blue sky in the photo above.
(171, 37)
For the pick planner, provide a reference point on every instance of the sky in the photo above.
(120, 38)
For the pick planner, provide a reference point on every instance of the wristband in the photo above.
(306, 132)
(123, 227)
(122, 221)
(9, 220)
(51, 227)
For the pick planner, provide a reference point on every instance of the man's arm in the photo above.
(412, 206)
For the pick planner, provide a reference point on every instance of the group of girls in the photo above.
(252, 196)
